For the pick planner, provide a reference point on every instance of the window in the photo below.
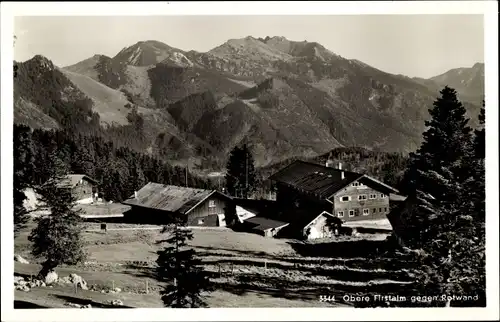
(382, 195)
(362, 197)
(211, 203)
(385, 209)
(379, 209)
(366, 212)
(201, 221)
(340, 214)
(374, 210)
(351, 213)
(344, 198)
(355, 184)
(373, 196)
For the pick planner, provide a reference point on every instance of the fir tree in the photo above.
(57, 236)
(447, 144)
(230, 215)
(443, 224)
(240, 172)
(179, 267)
(23, 171)
(480, 136)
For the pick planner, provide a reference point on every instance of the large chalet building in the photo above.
(347, 195)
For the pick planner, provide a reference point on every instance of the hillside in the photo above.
(285, 98)
(467, 81)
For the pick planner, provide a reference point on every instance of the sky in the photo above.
(412, 45)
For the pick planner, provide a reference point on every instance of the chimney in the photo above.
(328, 163)
(340, 165)
(342, 174)
(135, 194)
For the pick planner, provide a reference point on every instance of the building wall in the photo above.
(206, 214)
(142, 215)
(378, 208)
(84, 190)
(204, 221)
(318, 229)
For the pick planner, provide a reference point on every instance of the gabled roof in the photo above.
(319, 180)
(170, 198)
(325, 213)
(71, 180)
(261, 223)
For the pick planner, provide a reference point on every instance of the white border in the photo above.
(488, 8)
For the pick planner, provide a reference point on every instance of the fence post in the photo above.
(147, 287)
(76, 288)
(113, 283)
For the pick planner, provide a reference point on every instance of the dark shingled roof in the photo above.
(321, 181)
(168, 198)
(314, 178)
(262, 223)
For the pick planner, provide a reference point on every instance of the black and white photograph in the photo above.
(240, 157)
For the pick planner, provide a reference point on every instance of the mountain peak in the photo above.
(276, 38)
(248, 48)
(145, 53)
(478, 66)
(42, 61)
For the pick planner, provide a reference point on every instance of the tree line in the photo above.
(119, 170)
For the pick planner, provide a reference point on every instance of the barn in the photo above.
(83, 188)
(160, 204)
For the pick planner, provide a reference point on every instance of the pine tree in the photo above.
(57, 236)
(230, 215)
(181, 270)
(480, 136)
(82, 161)
(447, 144)
(443, 225)
(23, 171)
(240, 172)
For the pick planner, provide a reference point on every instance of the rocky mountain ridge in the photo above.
(284, 98)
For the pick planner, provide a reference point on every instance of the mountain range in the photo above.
(284, 98)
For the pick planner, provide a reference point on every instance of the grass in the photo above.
(108, 102)
(246, 270)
